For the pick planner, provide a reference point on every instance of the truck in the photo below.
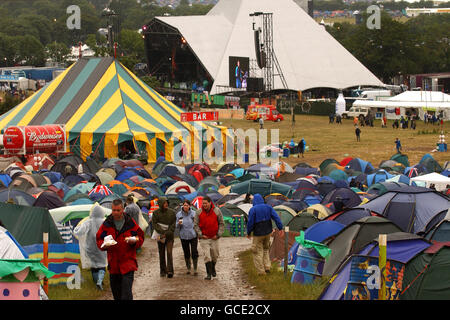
(267, 112)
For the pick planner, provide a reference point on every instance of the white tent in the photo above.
(422, 101)
(308, 55)
(440, 181)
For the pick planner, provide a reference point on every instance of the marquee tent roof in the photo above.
(103, 104)
(410, 99)
(226, 31)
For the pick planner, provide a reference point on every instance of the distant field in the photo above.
(352, 20)
(339, 141)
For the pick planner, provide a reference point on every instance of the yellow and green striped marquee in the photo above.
(102, 104)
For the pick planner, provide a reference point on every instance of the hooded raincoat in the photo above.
(260, 217)
(166, 217)
(91, 255)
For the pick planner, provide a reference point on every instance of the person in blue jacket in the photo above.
(259, 223)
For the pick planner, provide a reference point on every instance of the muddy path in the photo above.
(230, 283)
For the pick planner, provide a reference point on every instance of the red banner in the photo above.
(200, 116)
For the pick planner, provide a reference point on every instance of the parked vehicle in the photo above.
(267, 112)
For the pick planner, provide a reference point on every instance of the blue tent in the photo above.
(360, 165)
(20, 197)
(348, 196)
(312, 200)
(169, 171)
(238, 172)
(317, 232)
(415, 170)
(306, 171)
(446, 173)
(125, 174)
(53, 176)
(379, 176)
(400, 246)
(6, 179)
(349, 216)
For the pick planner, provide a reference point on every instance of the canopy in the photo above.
(102, 104)
(440, 181)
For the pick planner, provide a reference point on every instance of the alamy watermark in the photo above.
(215, 146)
(74, 20)
(374, 18)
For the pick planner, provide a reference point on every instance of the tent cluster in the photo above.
(344, 205)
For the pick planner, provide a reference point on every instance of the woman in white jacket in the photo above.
(97, 258)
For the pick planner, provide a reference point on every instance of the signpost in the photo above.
(200, 116)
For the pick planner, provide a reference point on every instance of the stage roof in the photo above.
(308, 55)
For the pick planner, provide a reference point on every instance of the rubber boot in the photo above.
(194, 261)
(188, 265)
(213, 268)
(208, 266)
(101, 275)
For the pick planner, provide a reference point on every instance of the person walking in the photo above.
(358, 134)
(259, 224)
(164, 223)
(131, 208)
(126, 237)
(398, 145)
(209, 226)
(188, 236)
(86, 234)
(261, 122)
(301, 148)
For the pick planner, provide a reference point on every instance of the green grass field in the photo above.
(277, 286)
(339, 141)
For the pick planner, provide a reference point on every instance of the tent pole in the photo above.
(286, 249)
(382, 265)
(45, 262)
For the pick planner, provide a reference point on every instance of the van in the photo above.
(355, 112)
(375, 94)
(267, 112)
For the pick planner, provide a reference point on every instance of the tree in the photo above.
(58, 52)
(30, 51)
(98, 45)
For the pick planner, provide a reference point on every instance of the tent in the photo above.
(413, 209)
(285, 213)
(27, 224)
(318, 210)
(302, 221)
(400, 247)
(353, 238)
(425, 275)
(378, 176)
(401, 158)
(439, 181)
(9, 247)
(415, 170)
(49, 200)
(360, 165)
(17, 196)
(440, 232)
(430, 163)
(102, 104)
(261, 186)
(349, 197)
(178, 187)
(349, 216)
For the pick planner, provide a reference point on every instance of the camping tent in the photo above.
(261, 186)
(413, 209)
(440, 181)
(27, 225)
(401, 246)
(103, 104)
(353, 238)
(425, 275)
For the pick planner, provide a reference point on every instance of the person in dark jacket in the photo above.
(358, 134)
(164, 223)
(121, 252)
(259, 223)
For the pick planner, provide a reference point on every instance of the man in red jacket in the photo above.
(122, 261)
(209, 226)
